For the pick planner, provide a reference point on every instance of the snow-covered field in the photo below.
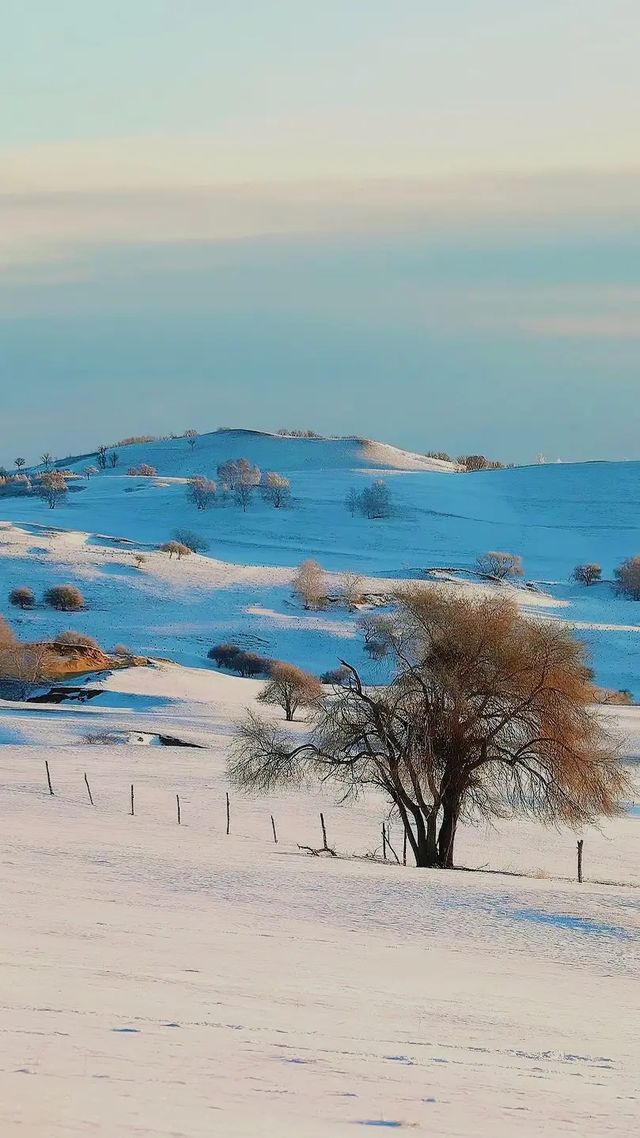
(167, 980)
(553, 516)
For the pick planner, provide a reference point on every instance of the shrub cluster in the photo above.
(66, 598)
(237, 659)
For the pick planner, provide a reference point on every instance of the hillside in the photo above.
(552, 516)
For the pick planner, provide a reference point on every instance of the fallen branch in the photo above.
(316, 853)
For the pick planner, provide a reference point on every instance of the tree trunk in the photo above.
(425, 846)
(447, 835)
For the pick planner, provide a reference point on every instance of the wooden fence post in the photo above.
(88, 789)
(384, 841)
(132, 802)
(46, 763)
(324, 832)
(178, 806)
(273, 827)
(228, 814)
(580, 845)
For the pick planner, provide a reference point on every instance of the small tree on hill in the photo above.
(201, 491)
(20, 462)
(66, 598)
(101, 458)
(351, 589)
(310, 585)
(276, 489)
(223, 654)
(499, 566)
(587, 574)
(193, 541)
(192, 437)
(627, 576)
(114, 458)
(175, 547)
(22, 597)
(52, 488)
(290, 688)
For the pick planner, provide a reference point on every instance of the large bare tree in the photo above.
(488, 714)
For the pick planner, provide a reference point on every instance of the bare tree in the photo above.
(627, 577)
(499, 566)
(193, 541)
(276, 489)
(101, 457)
(46, 459)
(52, 488)
(587, 574)
(23, 667)
(201, 491)
(66, 598)
(241, 477)
(19, 462)
(192, 437)
(22, 597)
(290, 688)
(89, 472)
(351, 589)
(352, 501)
(176, 547)
(114, 458)
(488, 714)
(310, 585)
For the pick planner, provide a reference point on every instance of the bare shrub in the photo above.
(222, 654)
(70, 638)
(627, 578)
(52, 488)
(175, 547)
(201, 491)
(193, 541)
(144, 470)
(122, 650)
(22, 597)
(101, 739)
(488, 714)
(372, 502)
(276, 489)
(290, 688)
(139, 559)
(310, 585)
(67, 598)
(336, 677)
(499, 566)
(351, 589)
(587, 574)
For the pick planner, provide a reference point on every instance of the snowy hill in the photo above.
(552, 516)
(287, 453)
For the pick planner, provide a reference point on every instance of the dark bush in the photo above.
(66, 598)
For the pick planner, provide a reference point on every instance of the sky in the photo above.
(395, 218)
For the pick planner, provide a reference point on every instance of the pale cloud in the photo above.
(54, 225)
(581, 328)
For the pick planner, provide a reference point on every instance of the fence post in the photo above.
(384, 841)
(46, 763)
(580, 845)
(132, 802)
(273, 827)
(88, 789)
(324, 833)
(228, 814)
(178, 806)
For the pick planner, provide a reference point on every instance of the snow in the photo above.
(169, 980)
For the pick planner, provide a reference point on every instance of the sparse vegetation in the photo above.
(276, 489)
(70, 638)
(52, 488)
(142, 471)
(336, 677)
(374, 501)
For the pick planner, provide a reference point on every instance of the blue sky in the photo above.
(399, 218)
